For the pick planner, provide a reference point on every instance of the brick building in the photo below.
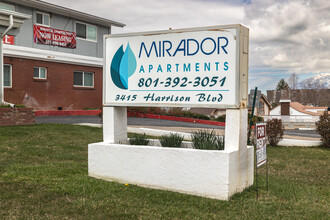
(54, 61)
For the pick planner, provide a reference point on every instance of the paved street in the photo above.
(130, 121)
(68, 119)
(163, 125)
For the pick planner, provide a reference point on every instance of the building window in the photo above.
(261, 108)
(85, 79)
(43, 19)
(7, 71)
(86, 31)
(40, 72)
(7, 7)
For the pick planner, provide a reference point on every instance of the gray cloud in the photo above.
(290, 34)
(287, 35)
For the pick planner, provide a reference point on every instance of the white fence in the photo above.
(293, 118)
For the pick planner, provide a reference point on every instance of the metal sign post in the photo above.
(252, 113)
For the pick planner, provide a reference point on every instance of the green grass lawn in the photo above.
(43, 175)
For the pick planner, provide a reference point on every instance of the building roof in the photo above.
(314, 107)
(301, 108)
(266, 101)
(49, 7)
(204, 111)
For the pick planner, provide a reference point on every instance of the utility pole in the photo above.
(2, 93)
(15, 20)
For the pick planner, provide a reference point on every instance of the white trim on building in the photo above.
(51, 56)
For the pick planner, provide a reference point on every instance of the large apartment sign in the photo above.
(188, 67)
(54, 37)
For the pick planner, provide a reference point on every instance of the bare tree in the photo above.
(314, 91)
(293, 81)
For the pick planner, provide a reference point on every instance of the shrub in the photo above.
(275, 131)
(101, 114)
(221, 118)
(172, 140)
(323, 128)
(188, 114)
(255, 119)
(4, 106)
(139, 139)
(252, 136)
(205, 140)
(20, 106)
(201, 116)
(177, 112)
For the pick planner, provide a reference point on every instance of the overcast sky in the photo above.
(286, 36)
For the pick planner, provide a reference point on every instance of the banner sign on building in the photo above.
(8, 39)
(55, 37)
(261, 144)
(178, 68)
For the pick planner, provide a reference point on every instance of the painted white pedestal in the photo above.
(213, 174)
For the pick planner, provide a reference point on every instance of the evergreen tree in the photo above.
(282, 85)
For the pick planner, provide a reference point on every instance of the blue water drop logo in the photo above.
(123, 66)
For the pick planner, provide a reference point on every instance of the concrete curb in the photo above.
(306, 129)
(90, 125)
(300, 143)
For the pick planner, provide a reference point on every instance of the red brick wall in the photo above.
(54, 92)
(16, 116)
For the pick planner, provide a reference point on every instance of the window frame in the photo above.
(86, 24)
(39, 67)
(13, 6)
(83, 79)
(43, 14)
(11, 76)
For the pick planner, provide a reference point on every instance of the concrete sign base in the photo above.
(208, 173)
(212, 174)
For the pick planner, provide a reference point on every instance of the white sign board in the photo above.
(178, 68)
(261, 142)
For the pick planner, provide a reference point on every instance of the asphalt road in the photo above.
(153, 122)
(130, 121)
(301, 133)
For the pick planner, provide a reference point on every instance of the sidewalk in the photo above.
(186, 133)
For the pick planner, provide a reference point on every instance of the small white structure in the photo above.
(208, 173)
(294, 112)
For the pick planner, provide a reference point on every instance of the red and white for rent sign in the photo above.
(261, 142)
